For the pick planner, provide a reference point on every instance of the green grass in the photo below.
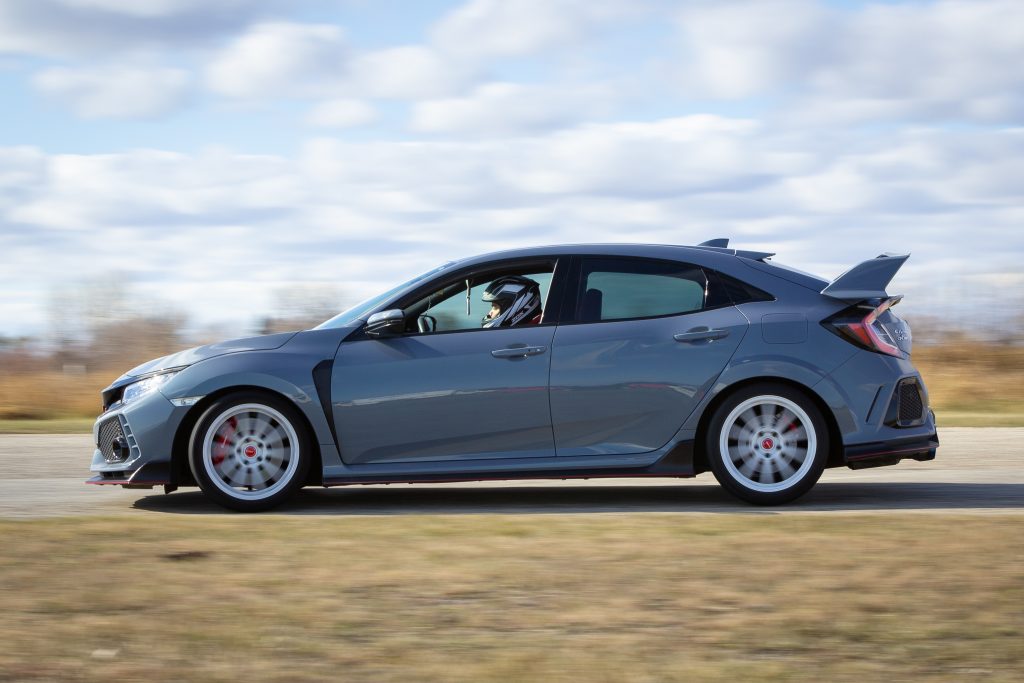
(488, 598)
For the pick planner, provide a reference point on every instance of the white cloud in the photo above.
(341, 113)
(142, 8)
(941, 60)
(747, 47)
(509, 163)
(666, 158)
(102, 27)
(211, 220)
(314, 60)
(149, 189)
(503, 28)
(115, 91)
(511, 109)
(274, 59)
(22, 170)
(407, 72)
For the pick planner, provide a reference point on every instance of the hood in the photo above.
(182, 358)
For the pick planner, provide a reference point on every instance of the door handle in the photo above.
(519, 351)
(700, 334)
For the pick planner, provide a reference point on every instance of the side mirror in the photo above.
(385, 323)
(426, 323)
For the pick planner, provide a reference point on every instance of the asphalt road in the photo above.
(977, 470)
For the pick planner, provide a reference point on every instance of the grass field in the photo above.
(606, 597)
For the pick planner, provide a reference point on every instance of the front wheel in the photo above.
(249, 451)
(767, 444)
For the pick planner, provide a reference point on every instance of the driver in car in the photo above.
(515, 300)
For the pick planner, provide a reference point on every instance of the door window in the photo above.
(621, 289)
(448, 309)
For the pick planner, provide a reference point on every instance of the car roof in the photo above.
(672, 251)
(715, 257)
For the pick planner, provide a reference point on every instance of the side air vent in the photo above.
(911, 406)
(907, 407)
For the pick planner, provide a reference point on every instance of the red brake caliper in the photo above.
(221, 445)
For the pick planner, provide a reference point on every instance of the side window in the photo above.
(724, 290)
(445, 310)
(619, 289)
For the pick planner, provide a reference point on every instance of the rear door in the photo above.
(643, 347)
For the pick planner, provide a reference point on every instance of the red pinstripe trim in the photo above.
(875, 454)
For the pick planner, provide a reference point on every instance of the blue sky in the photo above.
(213, 155)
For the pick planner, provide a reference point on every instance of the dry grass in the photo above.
(67, 425)
(46, 395)
(654, 597)
(970, 384)
(973, 378)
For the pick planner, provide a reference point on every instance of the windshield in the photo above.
(361, 309)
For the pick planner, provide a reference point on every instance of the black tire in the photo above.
(257, 447)
(767, 444)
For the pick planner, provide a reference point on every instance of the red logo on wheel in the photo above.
(767, 444)
(250, 451)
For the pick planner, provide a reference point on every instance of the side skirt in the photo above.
(675, 462)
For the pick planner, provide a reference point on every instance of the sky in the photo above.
(211, 154)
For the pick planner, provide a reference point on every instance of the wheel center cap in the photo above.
(250, 451)
(767, 444)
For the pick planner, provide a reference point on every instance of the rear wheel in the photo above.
(767, 444)
(250, 452)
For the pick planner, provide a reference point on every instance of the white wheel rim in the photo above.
(251, 451)
(768, 443)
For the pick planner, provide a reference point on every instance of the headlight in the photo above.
(137, 390)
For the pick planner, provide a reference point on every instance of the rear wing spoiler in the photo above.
(866, 280)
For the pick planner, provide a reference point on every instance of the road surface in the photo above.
(977, 470)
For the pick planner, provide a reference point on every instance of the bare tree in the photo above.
(104, 323)
(301, 306)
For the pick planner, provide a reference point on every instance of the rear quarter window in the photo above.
(724, 290)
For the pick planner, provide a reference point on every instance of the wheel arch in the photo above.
(180, 471)
(835, 455)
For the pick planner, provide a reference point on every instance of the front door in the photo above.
(447, 390)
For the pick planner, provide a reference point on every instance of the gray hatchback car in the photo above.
(548, 363)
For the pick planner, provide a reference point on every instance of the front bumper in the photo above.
(133, 442)
(145, 477)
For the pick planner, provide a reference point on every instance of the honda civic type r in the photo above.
(543, 363)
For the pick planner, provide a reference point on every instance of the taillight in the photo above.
(860, 325)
